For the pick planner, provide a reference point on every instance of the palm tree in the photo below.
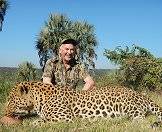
(60, 27)
(3, 7)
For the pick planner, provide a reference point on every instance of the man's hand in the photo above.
(89, 83)
(47, 80)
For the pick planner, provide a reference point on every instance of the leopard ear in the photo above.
(24, 90)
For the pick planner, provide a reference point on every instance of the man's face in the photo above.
(67, 52)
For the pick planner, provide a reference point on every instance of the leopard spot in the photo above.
(97, 112)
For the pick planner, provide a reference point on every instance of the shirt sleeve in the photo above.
(83, 72)
(48, 69)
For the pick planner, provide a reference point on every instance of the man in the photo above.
(65, 70)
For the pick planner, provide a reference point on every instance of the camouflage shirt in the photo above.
(55, 70)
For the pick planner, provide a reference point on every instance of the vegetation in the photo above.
(26, 71)
(58, 28)
(138, 68)
(3, 8)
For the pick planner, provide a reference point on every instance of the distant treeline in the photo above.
(95, 71)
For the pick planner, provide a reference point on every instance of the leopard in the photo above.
(60, 103)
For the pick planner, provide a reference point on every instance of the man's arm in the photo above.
(47, 74)
(89, 83)
(47, 80)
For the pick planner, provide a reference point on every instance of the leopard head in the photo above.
(19, 101)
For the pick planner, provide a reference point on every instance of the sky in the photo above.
(117, 23)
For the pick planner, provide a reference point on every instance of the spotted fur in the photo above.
(64, 104)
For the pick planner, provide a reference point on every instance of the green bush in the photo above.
(7, 79)
(26, 71)
(138, 68)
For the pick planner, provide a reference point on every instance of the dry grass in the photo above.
(101, 125)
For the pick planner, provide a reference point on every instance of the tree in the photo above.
(60, 27)
(138, 68)
(26, 71)
(119, 55)
(3, 7)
